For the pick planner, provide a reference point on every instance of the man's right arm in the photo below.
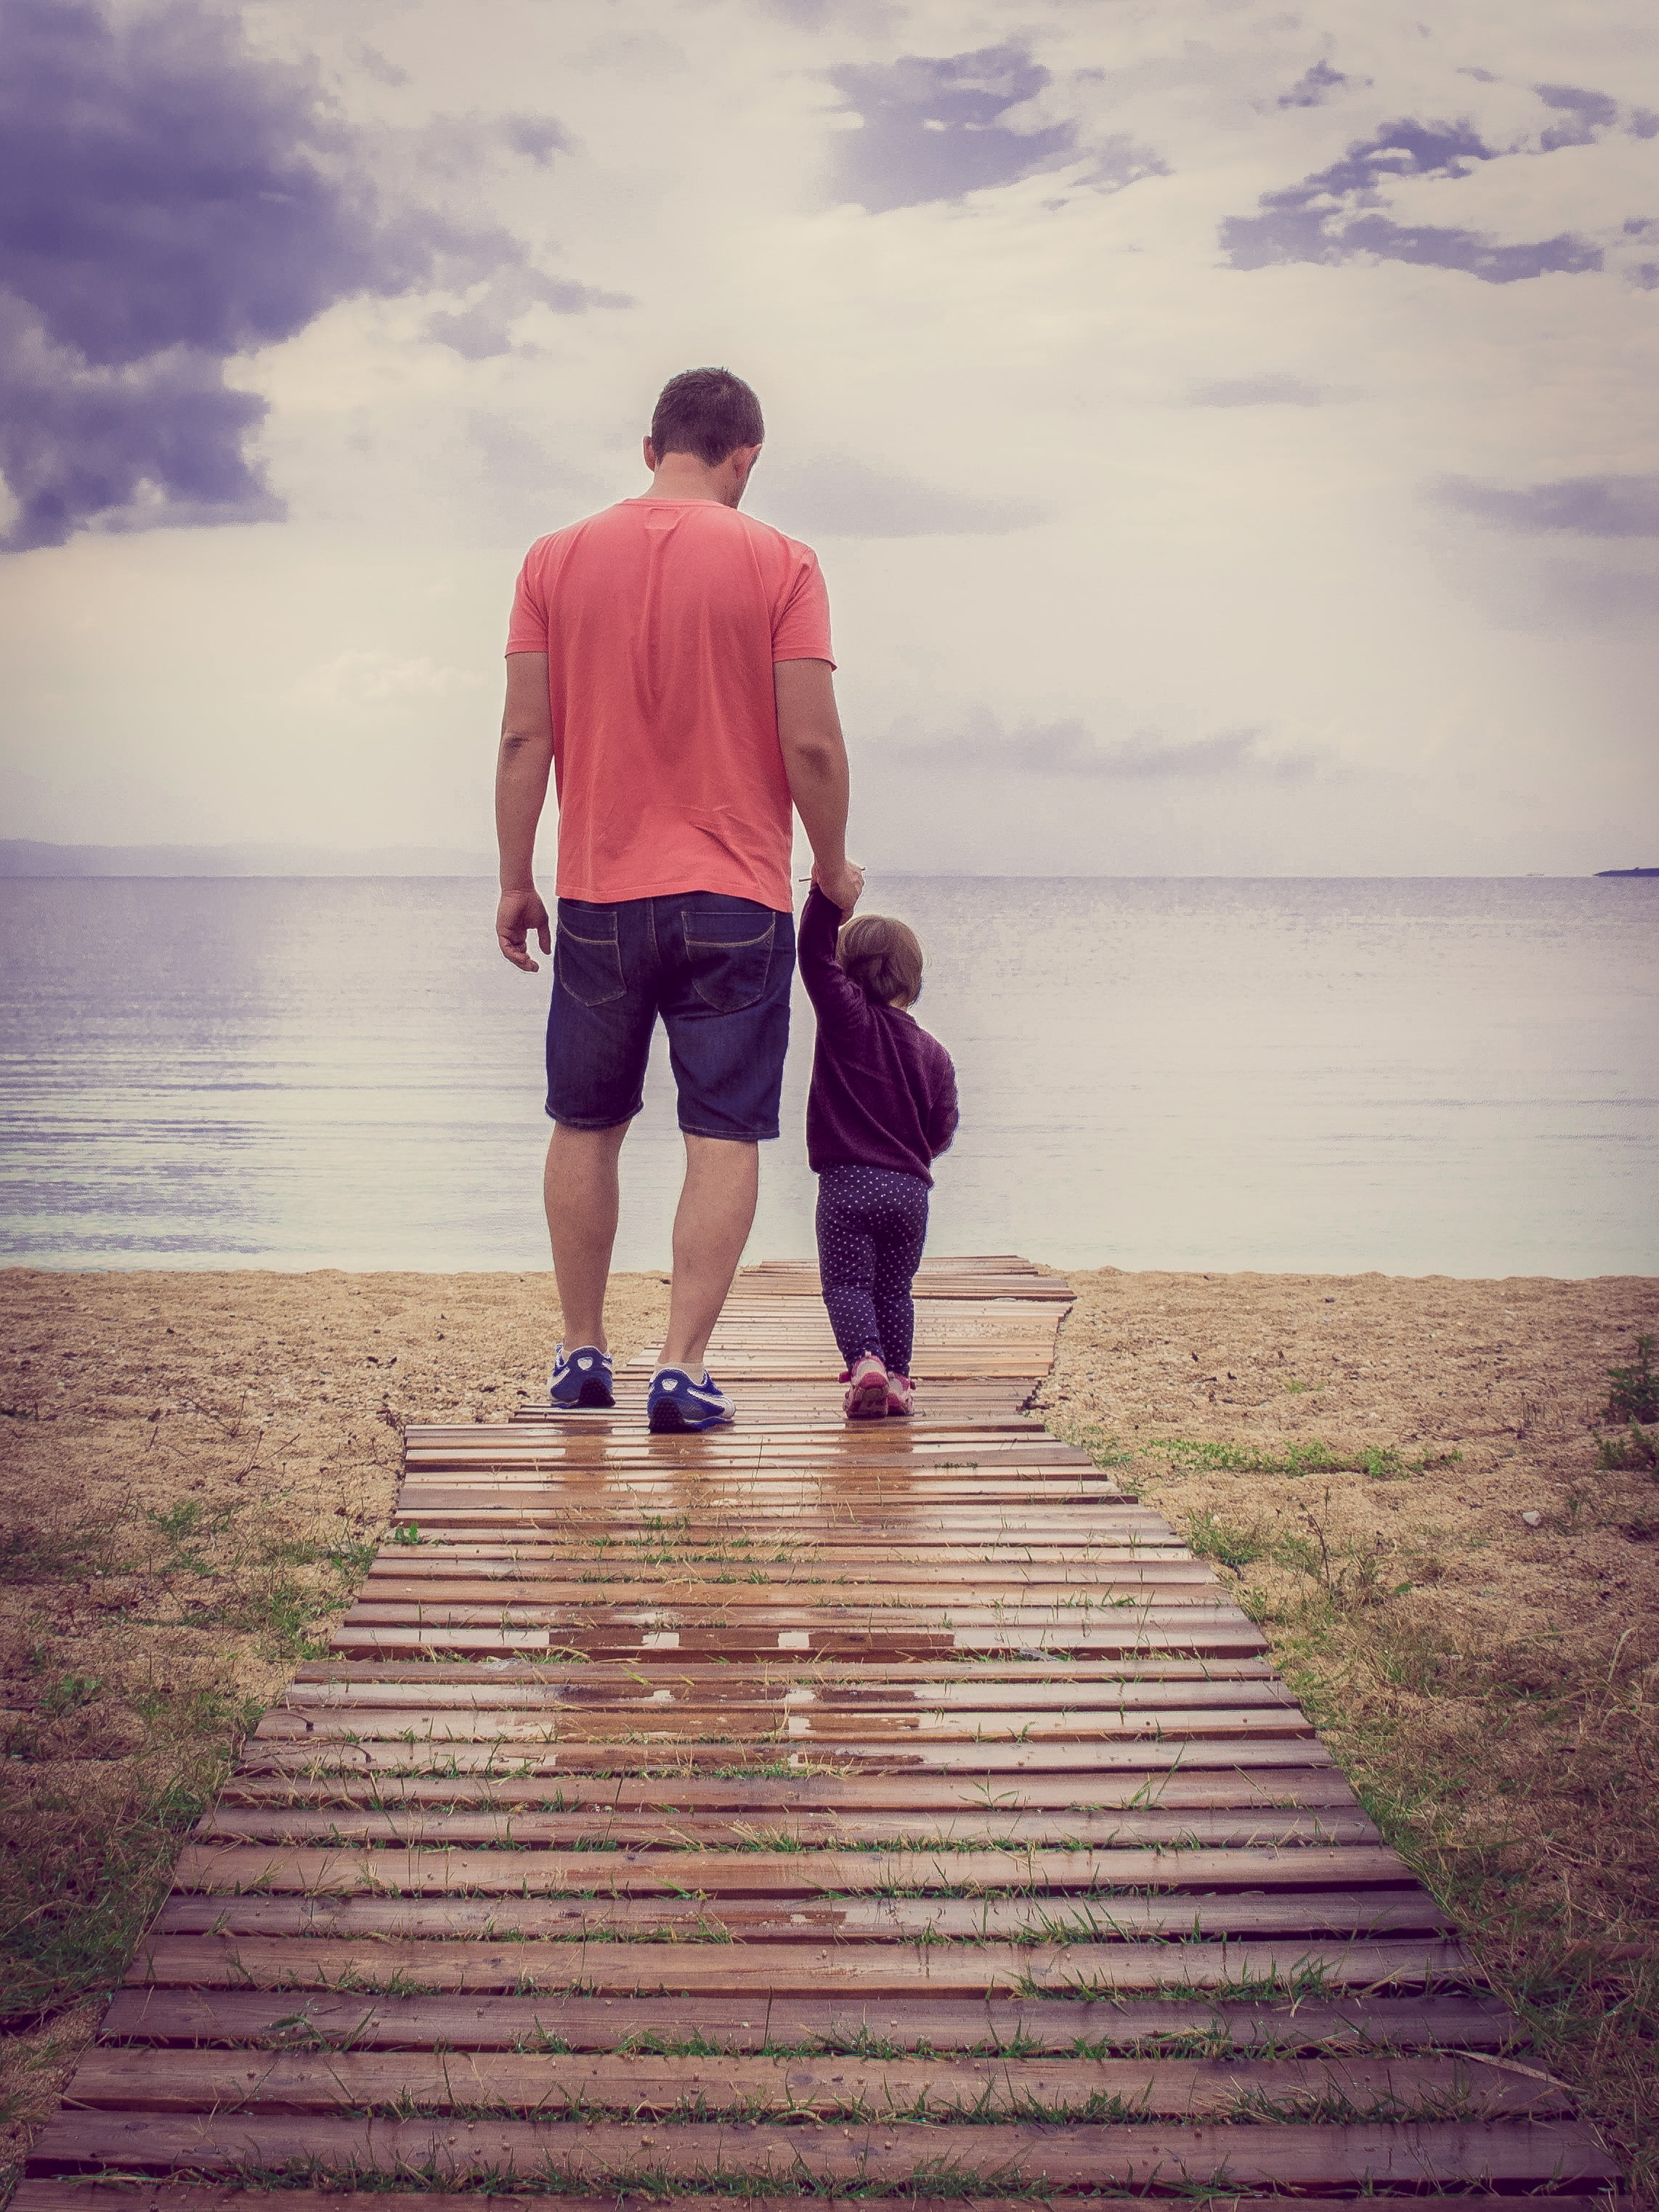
(521, 773)
(815, 761)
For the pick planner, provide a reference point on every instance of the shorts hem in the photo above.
(583, 1121)
(733, 1136)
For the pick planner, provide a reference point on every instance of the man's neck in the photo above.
(682, 476)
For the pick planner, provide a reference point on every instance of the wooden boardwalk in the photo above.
(801, 1809)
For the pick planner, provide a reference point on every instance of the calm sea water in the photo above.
(1417, 1076)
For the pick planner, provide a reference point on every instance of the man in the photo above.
(670, 661)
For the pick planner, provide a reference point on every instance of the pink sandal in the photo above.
(867, 1390)
(900, 1395)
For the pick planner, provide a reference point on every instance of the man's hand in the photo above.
(521, 773)
(843, 886)
(519, 913)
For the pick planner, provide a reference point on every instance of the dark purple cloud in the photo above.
(1337, 214)
(1314, 87)
(1591, 507)
(169, 201)
(932, 127)
(1582, 112)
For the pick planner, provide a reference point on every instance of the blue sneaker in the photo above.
(581, 1378)
(678, 1401)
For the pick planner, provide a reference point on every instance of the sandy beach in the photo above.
(1400, 1477)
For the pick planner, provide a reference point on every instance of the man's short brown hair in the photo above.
(882, 956)
(709, 412)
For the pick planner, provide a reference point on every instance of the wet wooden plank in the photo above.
(781, 1722)
(791, 1969)
(348, 1826)
(1047, 2026)
(73, 2194)
(1144, 1677)
(922, 1640)
(959, 1793)
(884, 2154)
(861, 1922)
(995, 1761)
(644, 2085)
(232, 1869)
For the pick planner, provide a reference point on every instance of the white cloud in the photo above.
(358, 679)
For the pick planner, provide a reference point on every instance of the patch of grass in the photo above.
(81, 1870)
(1346, 1573)
(1233, 1543)
(67, 1694)
(1633, 1394)
(1191, 1455)
(33, 1551)
(1633, 1453)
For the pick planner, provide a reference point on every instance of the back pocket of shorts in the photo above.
(729, 973)
(588, 967)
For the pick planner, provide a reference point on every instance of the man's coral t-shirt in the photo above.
(662, 619)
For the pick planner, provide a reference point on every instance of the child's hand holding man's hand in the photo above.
(843, 886)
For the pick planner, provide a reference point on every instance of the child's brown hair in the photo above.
(882, 956)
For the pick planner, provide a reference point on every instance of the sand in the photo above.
(1498, 1386)
(196, 1465)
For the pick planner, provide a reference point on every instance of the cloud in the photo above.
(1334, 215)
(1270, 390)
(831, 495)
(1070, 749)
(170, 201)
(1592, 507)
(364, 678)
(1314, 87)
(874, 15)
(1585, 113)
(483, 327)
(935, 128)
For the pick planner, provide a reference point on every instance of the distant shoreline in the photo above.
(35, 859)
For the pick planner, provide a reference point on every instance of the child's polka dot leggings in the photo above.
(872, 1224)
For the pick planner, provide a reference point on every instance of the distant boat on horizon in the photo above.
(1600, 872)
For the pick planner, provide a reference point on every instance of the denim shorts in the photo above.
(718, 970)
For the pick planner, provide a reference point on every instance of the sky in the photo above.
(1229, 432)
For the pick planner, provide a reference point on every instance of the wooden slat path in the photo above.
(898, 1809)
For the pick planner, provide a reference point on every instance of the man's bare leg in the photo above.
(716, 1213)
(580, 1186)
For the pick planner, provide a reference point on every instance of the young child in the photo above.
(882, 1109)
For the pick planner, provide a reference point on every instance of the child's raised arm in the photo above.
(836, 1002)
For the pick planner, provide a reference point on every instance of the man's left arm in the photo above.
(521, 772)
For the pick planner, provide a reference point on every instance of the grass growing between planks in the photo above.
(1449, 1533)
(194, 1472)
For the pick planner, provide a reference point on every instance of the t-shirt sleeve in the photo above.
(526, 631)
(800, 626)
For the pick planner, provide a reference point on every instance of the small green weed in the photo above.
(1633, 1453)
(69, 1694)
(1634, 1395)
(1230, 1541)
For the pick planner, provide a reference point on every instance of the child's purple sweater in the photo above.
(884, 1092)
